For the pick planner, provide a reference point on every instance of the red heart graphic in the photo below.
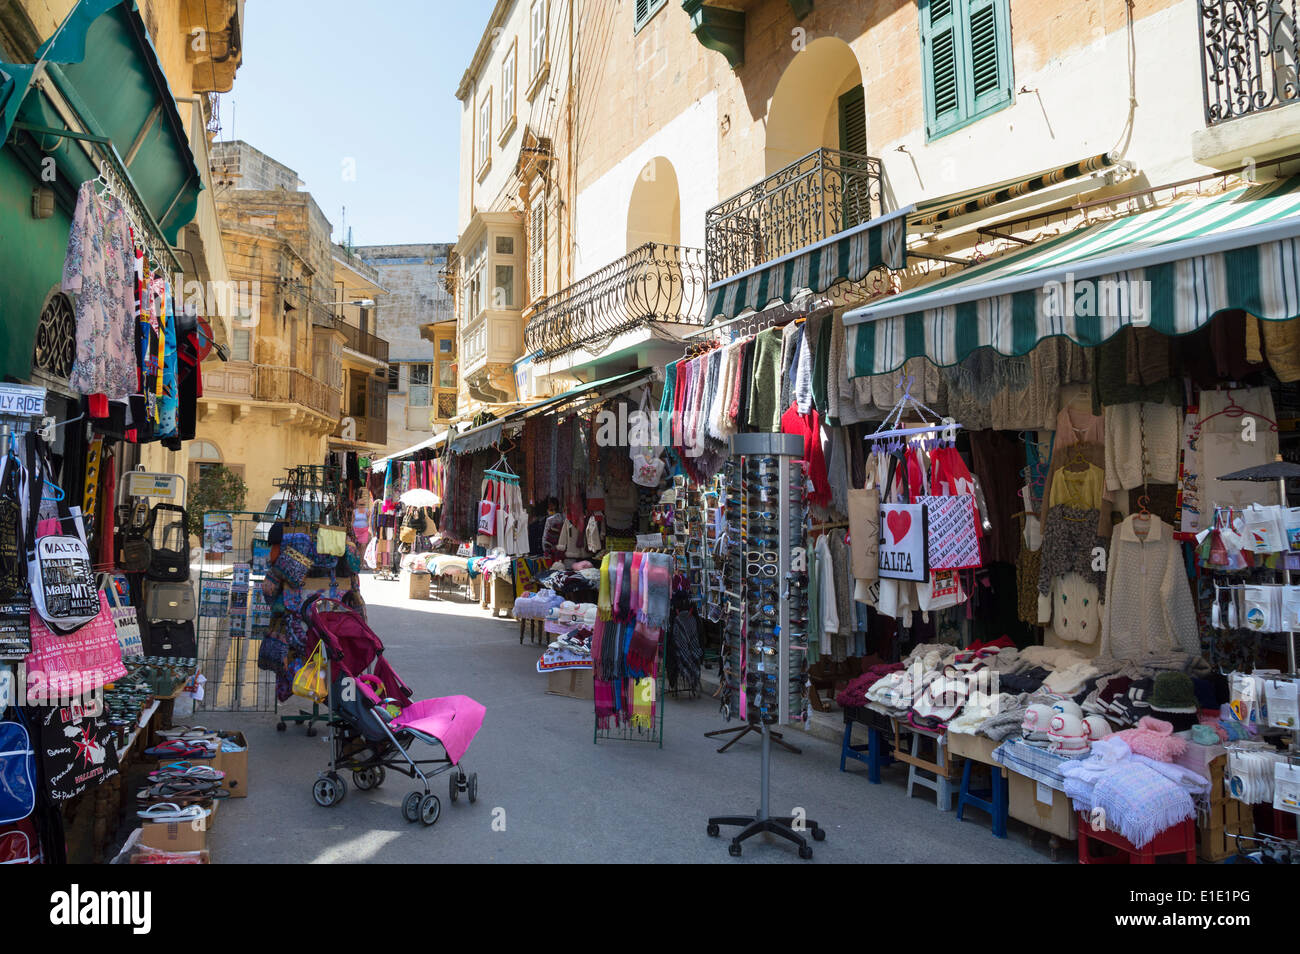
(899, 522)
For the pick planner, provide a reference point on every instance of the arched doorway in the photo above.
(654, 212)
(818, 103)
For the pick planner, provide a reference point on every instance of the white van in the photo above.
(312, 506)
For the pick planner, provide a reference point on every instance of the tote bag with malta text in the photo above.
(64, 594)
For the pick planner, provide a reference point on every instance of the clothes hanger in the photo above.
(1234, 411)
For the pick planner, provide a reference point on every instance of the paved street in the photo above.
(565, 799)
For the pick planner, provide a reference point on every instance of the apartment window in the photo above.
(241, 345)
(508, 91)
(537, 43)
(418, 391)
(966, 58)
(645, 11)
(394, 378)
(503, 290)
(485, 131)
(476, 281)
(446, 363)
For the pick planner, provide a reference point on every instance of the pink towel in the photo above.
(452, 720)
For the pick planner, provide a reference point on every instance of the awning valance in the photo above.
(1173, 269)
(846, 256)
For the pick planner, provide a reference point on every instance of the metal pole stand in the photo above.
(783, 447)
(752, 825)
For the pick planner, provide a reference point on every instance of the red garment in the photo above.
(106, 514)
(808, 426)
(679, 402)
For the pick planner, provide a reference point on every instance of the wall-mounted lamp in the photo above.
(42, 202)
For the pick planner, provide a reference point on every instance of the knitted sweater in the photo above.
(764, 386)
(1149, 606)
(1128, 428)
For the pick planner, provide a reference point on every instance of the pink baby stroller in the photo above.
(374, 722)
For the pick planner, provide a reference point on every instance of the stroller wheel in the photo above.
(379, 775)
(473, 787)
(430, 809)
(328, 790)
(411, 806)
(453, 787)
(364, 780)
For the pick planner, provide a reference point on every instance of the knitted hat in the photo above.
(1204, 735)
(1173, 692)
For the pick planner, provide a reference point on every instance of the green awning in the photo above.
(101, 63)
(846, 256)
(1172, 269)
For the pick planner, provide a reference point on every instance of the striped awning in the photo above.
(1172, 269)
(849, 255)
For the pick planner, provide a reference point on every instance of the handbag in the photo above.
(647, 465)
(312, 679)
(58, 564)
(330, 541)
(173, 601)
(19, 844)
(171, 638)
(17, 773)
(169, 541)
(297, 556)
(127, 623)
(273, 652)
(132, 549)
(15, 597)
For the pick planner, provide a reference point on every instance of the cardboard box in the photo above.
(574, 683)
(235, 765)
(417, 585)
(176, 836)
(1056, 817)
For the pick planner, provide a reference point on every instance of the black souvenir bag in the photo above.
(132, 549)
(168, 637)
(59, 570)
(169, 538)
(15, 598)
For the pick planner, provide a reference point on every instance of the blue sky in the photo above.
(328, 81)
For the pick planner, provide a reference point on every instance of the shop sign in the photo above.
(903, 542)
(141, 484)
(22, 400)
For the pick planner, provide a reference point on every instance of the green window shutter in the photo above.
(645, 11)
(990, 55)
(966, 58)
(941, 47)
(853, 121)
(855, 186)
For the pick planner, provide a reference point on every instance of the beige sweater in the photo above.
(1148, 609)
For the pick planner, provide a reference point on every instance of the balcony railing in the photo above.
(291, 386)
(813, 198)
(652, 283)
(369, 430)
(1250, 56)
(364, 342)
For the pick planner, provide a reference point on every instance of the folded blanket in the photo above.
(1155, 739)
(1140, 803)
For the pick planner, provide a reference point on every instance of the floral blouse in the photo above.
(98, 275)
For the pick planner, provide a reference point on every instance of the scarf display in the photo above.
(632, 613)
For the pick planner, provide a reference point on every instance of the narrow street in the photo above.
(563, 798)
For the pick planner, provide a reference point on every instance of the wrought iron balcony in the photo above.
(825, 192)
(1250, 56)
(652, 283)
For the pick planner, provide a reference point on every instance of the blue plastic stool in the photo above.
(993, 801)
(873, 754)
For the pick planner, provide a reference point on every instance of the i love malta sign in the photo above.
(903, 553)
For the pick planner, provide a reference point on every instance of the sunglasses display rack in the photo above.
(765, 589)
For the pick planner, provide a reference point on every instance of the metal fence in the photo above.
(233, 614)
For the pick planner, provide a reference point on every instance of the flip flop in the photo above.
(181, 750)
(171, 812)
(182, 792)
(187, 772)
